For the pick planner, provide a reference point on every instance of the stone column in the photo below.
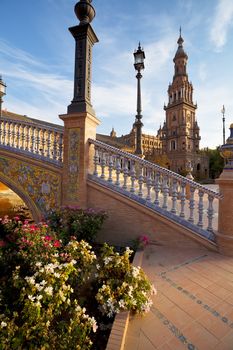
(78, 155)
(225, 212)
(80, 121)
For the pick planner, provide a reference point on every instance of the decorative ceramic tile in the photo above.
(41, 185)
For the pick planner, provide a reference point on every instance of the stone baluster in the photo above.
(200, 208)
(125, 174)
(48, 144)
(18, 136)
(22, 137)
(140, 180)
(157, 188)
(12, 144)
(103, 163)
(165, 191)
(4, 133)
(210, 213)
(132, 177)
(182, 199)
(38, 140)
(60, 158)
(42, 150)
(32, 147)
(174, 196)
(27, 141)
(9, 134)
(54, 151)
(148, 185)
(118, 171)
(96, 161)
(191, 204)
(110, 168)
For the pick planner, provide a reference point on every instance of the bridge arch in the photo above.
(36, 214)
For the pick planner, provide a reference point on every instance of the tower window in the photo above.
(174, 118)
(173, 145)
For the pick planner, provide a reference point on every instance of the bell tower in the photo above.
(180, 133)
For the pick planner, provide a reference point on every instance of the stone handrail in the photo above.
(178, 198)
(34, 138)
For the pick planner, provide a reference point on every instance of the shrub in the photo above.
(47, 315)
(122, 286)
(73, 221)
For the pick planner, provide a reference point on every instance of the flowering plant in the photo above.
(122, 286)
(47, 315)
(74, 221)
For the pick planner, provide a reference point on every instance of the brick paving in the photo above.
(193, 308)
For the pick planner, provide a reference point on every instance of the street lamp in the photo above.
(139, 57)
(2, 93)
(223, 123)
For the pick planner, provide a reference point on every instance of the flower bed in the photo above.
(57, 294)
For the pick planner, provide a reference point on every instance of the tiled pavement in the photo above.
(193, 308)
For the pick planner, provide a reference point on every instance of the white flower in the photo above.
(63, 298)
(43, 283)
(38, 304)
(73, 262)
(56, 274)
(17, 267)
(30, 297)
(3, 324)
(49, 290)
(121, 303)
(38, 287)
(39, 297)
(107, 260)
(94, 324)
(47, 323)
(38, 264)
(135, 271)
(98, 266)
(30, 280)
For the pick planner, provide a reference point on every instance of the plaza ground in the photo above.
(193, 308)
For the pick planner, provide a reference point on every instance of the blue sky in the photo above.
(37, 59)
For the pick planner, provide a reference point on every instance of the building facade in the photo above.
(178, 139)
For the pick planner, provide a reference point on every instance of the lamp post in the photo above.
(223, 124)
(2, 93)
(139, 57)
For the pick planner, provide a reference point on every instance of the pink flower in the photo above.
(2, 243)
(144, 239)
(57, 244)
(48, 238)
(16, 218)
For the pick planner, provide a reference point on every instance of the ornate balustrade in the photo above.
(36, 139)
(174, 196)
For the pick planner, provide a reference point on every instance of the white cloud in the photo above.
(221, 23)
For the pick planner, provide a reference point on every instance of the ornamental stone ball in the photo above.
(84, 11)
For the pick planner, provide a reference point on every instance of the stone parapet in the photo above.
(225, 218)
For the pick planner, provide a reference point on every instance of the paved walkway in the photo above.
(194, 305)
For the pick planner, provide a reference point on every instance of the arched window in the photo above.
(173, 145)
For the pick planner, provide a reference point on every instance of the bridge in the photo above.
(50, 166)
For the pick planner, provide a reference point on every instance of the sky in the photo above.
(37, 60)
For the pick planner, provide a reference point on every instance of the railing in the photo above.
(174, 196)
(36, 139)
